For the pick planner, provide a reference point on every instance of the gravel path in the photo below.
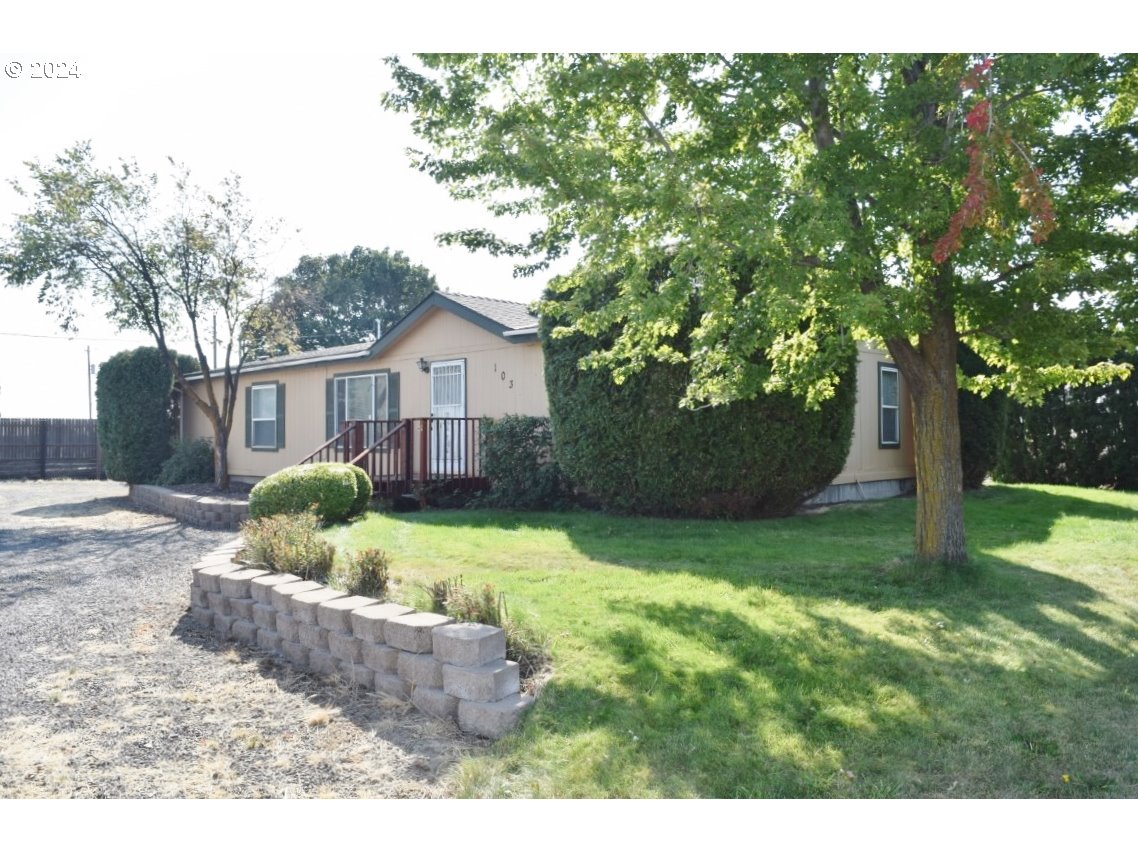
(108, 689)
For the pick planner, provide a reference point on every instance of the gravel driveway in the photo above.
(108, 689)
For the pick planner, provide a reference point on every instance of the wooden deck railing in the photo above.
(400, 455)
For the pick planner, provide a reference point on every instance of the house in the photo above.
(411, 402)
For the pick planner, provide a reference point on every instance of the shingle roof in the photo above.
(513, 315)
(510, 316)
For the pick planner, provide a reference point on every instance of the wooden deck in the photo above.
(404, 456)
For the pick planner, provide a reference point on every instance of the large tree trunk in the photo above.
(930, 370)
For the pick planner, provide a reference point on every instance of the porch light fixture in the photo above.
(424, 365)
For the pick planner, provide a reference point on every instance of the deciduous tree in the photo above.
(166, 263)
(915, 200)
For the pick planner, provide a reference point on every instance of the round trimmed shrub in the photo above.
(363, 490)
(631, 448)
(327, 488)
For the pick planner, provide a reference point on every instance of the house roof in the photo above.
(511, 321)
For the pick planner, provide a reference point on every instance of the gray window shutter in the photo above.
(248, 415)
(393, 396)
(329, 408)
(280, 415)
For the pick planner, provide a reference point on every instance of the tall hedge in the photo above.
(982, 422)
(137, 414)
(1085, 436)
(633, 449)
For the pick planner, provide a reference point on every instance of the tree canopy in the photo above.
(338, 299)
(916, 200)
(166, 258)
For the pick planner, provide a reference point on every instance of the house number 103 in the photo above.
(502, 376)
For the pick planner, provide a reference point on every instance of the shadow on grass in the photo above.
(832, 670)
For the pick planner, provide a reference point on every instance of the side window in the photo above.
(889, 398)
(264, 416)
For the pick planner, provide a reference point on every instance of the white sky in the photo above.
(290, 103)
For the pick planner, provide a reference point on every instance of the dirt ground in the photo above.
(108, 689)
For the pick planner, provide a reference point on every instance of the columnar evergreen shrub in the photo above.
(327, 488)
(633, 449)
(517, 459)
(137, 414)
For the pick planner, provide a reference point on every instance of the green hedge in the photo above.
(328, 488)
(517, 459)
(1085, 436)
(137, 414)
(633, 449)
(981, 423)
(191, 462)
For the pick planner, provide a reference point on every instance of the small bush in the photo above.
(517, 459)
(525, 646)
(367, 574)
(328, 488)
(363, 490)
(191, 462)
(288, 543)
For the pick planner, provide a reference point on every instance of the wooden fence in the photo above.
(49, 447)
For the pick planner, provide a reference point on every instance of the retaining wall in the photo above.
(453, 670)
(213, 512)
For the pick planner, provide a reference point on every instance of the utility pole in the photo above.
(90, 414)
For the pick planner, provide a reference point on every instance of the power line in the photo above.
(76, 338)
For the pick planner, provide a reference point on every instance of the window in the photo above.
(361, 398)
(264, 416)
(889, 397)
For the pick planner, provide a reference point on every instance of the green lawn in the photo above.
(805, 657)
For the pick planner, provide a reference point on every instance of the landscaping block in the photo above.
(392, 685)
(492, 719)
(358, 674)
(412, 633)
(241, 608)
(222, 624)
(368, 622)
(244, 632)
(209, 578)
(214, 559)
(468, 644)
(431, 700)
(345, 647)
(380, 657)
(265, 617)
(322, 662)
(268, 640)
(336, 615)
(295, 652)
(420, 670)
(203, 616)
(198, 597)
(486, 683)
(287, 627)
(303, 605)
(313, 636)
(261, 588)
(282, 594)
(218, 603)
(236, 584)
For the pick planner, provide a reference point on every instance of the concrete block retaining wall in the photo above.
(446, 669)
(209, 511)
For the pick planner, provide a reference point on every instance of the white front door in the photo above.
(448, 400)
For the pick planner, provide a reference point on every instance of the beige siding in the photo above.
(868, 460)
(501, 378)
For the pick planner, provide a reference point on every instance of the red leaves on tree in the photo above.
(986, 139)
